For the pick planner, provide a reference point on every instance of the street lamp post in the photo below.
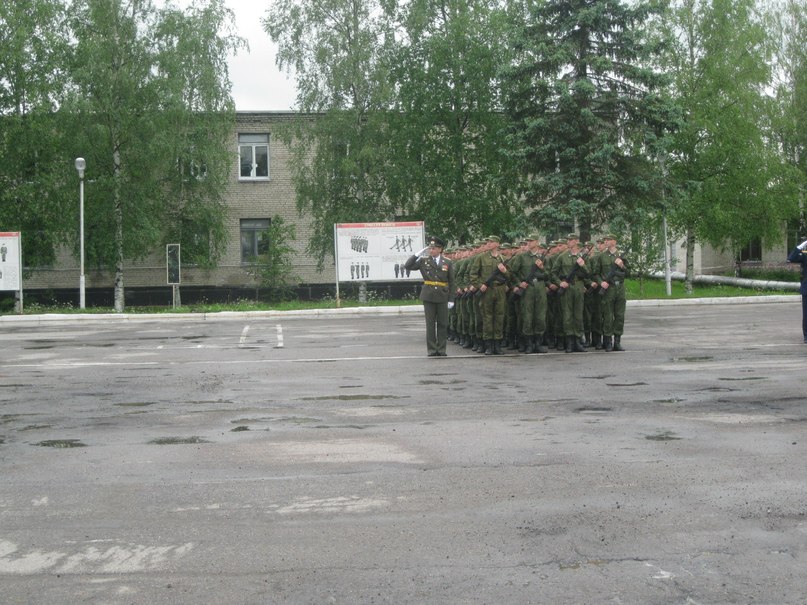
(80, 166)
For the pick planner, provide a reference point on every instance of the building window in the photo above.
(752, 251)
(254, 238)
(253, 151)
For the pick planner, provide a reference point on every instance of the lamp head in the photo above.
(80, 166)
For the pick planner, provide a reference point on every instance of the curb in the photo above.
(61, 318)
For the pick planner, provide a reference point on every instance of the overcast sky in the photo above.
(257, 82)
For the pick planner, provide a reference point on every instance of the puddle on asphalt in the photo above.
(746, 378)
(342, 426)
(625, 384)
(61, 443)
(136, 404)
(694, 359)
(592, 409)
(239, 429)
(178, 440)
(663, 436)
(296, 419)
(671, 400)
(34, 427)
(351, 397)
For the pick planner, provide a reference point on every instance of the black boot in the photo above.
(569, 344)
(587, 339)
(539, 344)
(607, 344)
(482, 346)
(488, 347)
(597, 339)
(468, 343)
(497, 347)
(577, 345)
(560, 342)
(618, 343)
(523, 344)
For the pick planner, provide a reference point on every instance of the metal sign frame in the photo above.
(173, 264)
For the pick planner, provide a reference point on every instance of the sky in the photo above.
(258, 85)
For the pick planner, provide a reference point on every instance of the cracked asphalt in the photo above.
(325, 459)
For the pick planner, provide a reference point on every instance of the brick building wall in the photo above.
(244, 198)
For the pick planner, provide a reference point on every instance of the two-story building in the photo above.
(260, 187)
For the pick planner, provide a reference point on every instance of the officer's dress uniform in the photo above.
(436, 293)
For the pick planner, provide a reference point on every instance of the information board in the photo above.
(10, 261)
(376, 251)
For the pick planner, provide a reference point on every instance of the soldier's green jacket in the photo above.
(483, 267)
(563, 265)
(523, 265)
(605, 266)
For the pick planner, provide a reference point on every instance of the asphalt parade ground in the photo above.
(298, 458)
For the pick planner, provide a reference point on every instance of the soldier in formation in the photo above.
(564, 295)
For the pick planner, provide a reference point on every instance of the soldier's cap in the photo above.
(610, 236)
(589, 243)
(532, 237)
(572, 236)
(493, 238)
(436, 242)
(544, 246)
(600, 240)
(505, 246)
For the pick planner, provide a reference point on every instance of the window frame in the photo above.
(257, 231)
(253, 141)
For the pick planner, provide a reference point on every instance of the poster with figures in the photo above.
(376, 251)
(10, 260)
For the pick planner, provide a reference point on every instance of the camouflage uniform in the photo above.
(485, 274)
(571, 301)
(612, 283)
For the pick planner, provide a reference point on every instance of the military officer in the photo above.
(437, 293)
(799, 256)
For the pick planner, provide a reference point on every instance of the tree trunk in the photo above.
(690, 275)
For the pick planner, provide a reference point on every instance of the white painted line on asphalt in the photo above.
(279, 336)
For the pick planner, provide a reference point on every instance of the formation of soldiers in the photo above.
(532, 297)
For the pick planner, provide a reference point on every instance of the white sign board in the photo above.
(10, 261)
(376, 251)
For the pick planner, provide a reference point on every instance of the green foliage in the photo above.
(274, 269)
(730, 183)
(33, 46)
(150, 110)
(584, 102)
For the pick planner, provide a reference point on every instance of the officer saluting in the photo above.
(437, 293)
